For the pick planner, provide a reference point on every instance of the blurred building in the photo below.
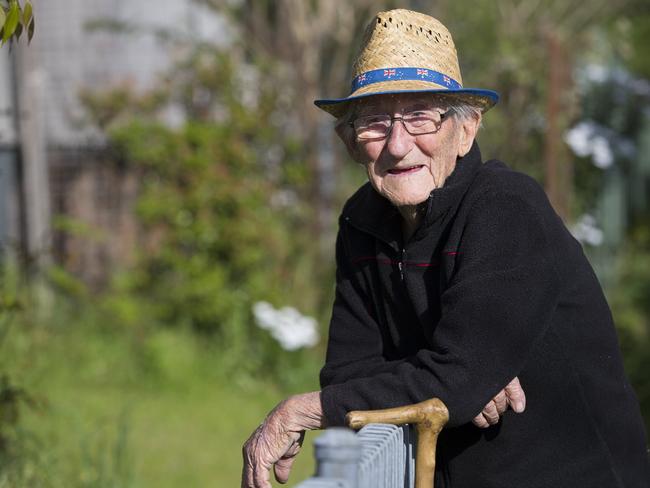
(51, 159)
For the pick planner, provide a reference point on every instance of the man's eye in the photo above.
(420, 115)
(373, 121)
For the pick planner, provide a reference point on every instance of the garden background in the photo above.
(169, 196)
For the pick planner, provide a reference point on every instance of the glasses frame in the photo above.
(443, 116)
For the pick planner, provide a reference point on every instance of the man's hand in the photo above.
(512, 395)
(277, 441)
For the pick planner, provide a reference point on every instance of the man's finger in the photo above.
(261, 477)
(501, 402)
(516, 395)
(260, 466)
(247, 470)
(480, 421)
(247, 476)
(283, 468)
(490, 413)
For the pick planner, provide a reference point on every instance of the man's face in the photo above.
(405, 168)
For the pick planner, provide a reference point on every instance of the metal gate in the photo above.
(378, 456)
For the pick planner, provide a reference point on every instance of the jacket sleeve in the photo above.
(499, 302)
(355, 345)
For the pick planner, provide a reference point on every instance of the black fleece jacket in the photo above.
(491, 286)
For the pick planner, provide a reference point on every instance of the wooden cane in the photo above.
(429, 417)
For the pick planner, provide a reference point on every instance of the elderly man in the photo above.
(457, 280)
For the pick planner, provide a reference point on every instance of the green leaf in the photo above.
(30, 29)
(12, 21)
(27, 13)
(3, 17)
(18, 31)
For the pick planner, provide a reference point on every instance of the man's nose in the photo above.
(399, 142)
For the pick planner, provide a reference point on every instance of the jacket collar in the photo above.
(370, 212)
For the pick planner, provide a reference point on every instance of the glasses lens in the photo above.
(372, 126)
(422, 121)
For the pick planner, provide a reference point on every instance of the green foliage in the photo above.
(120, 407)
(630, 306)
(617, 111)
(16, 19)
(19, 461)
(224, 210)
(613, 105)
(216, 243)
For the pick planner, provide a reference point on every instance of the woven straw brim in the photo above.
(403, 51)
(483, 99)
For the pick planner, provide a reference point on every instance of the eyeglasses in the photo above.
(416, 122)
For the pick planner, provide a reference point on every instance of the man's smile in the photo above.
(406, 170)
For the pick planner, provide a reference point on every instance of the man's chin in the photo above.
(408, 200)
(404, 194)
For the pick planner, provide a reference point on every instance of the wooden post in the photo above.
(558, 175)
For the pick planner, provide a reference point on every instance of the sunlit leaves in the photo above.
(16, 19)
(11, 21)
(27, 13)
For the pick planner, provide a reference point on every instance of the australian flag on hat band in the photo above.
(385, 74)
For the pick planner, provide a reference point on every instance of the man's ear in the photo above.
(468, 129)
(349, 138)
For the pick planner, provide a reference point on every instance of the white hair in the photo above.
(465, 111)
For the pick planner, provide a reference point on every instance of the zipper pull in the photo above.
(400, 264)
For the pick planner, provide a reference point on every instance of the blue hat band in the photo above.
(394, 74)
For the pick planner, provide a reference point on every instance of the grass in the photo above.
(118, 409)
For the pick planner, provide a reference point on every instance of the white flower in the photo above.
(586, 231)
(601, 152)
(596, 73)
(588, 138)
(288, 326)
(579, 137)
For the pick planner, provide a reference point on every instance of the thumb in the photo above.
(283, 469)
(516, 396)
(283, 466)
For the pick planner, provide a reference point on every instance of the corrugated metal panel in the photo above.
(386, 458)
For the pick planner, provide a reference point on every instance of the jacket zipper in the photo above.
(402, 260)
(400, 264)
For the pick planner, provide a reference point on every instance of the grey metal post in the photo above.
(338, 452)
(30, 87)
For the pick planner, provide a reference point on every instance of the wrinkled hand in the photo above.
(512, 395)
(277, 441)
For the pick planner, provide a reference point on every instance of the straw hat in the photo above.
(406, 51)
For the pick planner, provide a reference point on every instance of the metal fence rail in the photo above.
(378, 456)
